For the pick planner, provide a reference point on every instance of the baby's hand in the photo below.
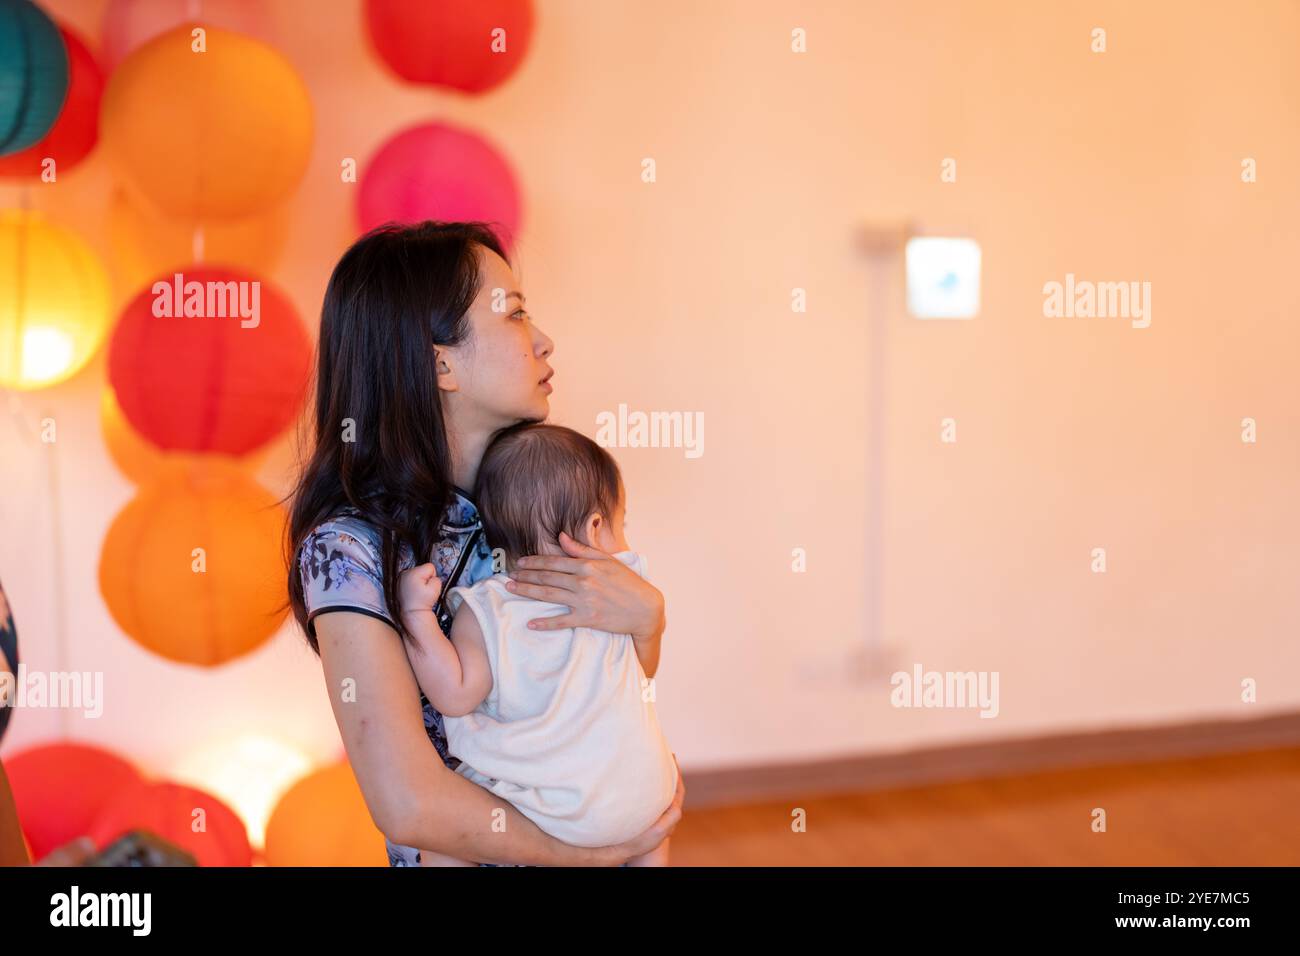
(419, 588)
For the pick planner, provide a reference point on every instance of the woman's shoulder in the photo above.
(348, 527)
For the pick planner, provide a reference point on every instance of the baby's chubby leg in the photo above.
(656, 857)
(430, 858)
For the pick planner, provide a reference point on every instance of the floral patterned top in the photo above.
(8, 655)
(340, 566)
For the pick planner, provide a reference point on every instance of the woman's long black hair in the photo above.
(379, 441)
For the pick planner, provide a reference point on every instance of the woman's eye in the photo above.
(521, 312)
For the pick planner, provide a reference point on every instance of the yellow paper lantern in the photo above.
(221, 133)
(144, 462)
(54, 301)
(193, 567)
(323, 821)
(147, 244)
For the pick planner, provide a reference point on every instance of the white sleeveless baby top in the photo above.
(568, 733)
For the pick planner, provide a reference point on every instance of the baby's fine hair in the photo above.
(536, 480)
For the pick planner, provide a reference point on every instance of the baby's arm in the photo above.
(455, 675)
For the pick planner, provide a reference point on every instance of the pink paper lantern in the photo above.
(437, 171)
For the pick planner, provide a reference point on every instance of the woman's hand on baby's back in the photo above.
(600, 591)
(418, 588)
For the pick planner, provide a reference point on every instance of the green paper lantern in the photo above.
(33, 75)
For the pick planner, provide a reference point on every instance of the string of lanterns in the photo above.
(191, 406)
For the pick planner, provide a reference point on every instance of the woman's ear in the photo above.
(443, 366)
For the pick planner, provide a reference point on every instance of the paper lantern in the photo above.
(146, 243)
(221, 134)
(129, 24)
(323, 821)
(465, 46)
(203, 607)
(210, 383)
(54, 301)
(194, 820)
(33, 74)
(60, 789)
(75, 132)
(143, 462)
(438, 171)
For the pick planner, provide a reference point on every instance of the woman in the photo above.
(425, 352)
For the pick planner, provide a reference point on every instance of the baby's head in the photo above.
(536, 480)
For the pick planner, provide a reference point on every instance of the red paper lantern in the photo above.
(212, 382)
(76, 130)
(466, 46)
(60, 790)
(437, 171)
(190, 818)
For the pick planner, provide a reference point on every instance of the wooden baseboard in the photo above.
(947, 764)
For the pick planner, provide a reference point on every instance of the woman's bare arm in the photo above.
(412, 796)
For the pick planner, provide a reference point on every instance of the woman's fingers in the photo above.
(541, 592)
(555, 579)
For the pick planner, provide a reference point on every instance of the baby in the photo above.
(560, 723)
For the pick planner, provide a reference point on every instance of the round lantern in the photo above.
(76, 130)
(129, 24)
(323, 821)
(146, 244)
(228, 380)
(437, 171)
(60, 789)
(33, 74)
(54, 301)
(193, 567)
(195, 821)
(141, 461)
(465, 46)
(220, 134)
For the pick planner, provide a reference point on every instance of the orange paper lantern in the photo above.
(194, 820)
(202, 607)
(222, 133)
(147, 244)
(322, 820)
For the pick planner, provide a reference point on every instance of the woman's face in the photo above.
(494, 378)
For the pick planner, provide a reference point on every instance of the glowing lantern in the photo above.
(202, 607)
(194, 820)
(212, 135)
(77, 129)
(436, 171)
(33, 74)
(323, 821)
(250, 773)
(59, 790)
(54, 301)
(227, 381)
(466, 46)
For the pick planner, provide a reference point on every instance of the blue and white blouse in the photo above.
(340, 567)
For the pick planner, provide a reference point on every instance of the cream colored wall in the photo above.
(1072, 433)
